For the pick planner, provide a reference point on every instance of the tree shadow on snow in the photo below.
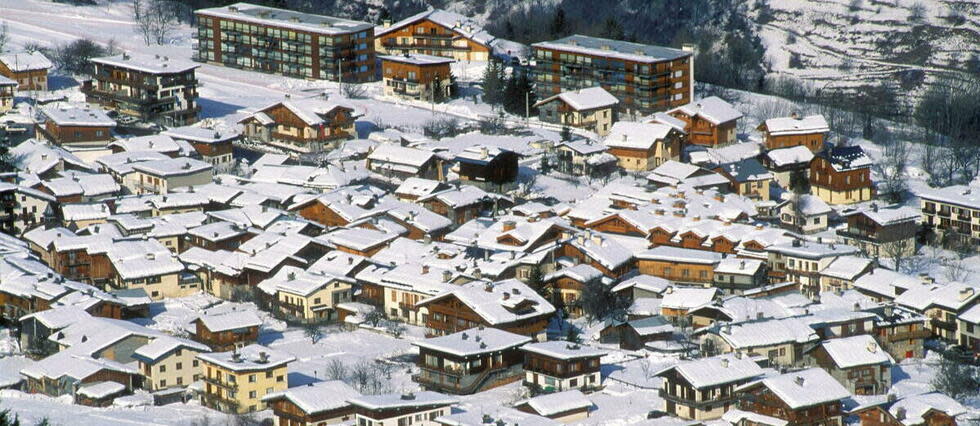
(211, 108)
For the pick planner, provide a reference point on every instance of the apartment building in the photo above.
(953, 213)
(882, 231)
(704, 389)
(285, 42)
(148, 88)
(418, 77)
(169, 362)
(436, 32)
(644, 78)
(7, 89)
(842, 175)
(803, 262)
(162, 176)
(236, 381)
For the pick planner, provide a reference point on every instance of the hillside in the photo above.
(847, 43)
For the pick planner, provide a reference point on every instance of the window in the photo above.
(268, 374)
(163, 368)
(281, 379)
(252, 394)
(179, 366)
(163, 383)
(251, 378)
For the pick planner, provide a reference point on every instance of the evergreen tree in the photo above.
(384, 15)
(453, 85)
(612, 29)
(566, 134)
(513, 100)
(559, 24)
(8, 419)
(493, 83)
(956, 377)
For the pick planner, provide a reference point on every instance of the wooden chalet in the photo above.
(785, 132)
(710, 121)
(301, 125)
(806, 397)
(487, 166)
(842, 175)
(225, 331)
(320, 403)
(435, 32)
(507, 305)
(561, 365)
(470, 361)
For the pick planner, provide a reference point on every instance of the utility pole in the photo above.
(340, 75)
(527, 108)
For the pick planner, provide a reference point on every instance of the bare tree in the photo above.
(375, 317)
(337, 370)
(899, 253)
(892, 167)
(917, 12)
(956, 270)
(353, 90)
(4, 35)
(368, 379)
(156, 20)
(313, 331)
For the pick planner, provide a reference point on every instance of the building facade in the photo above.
(435, 32)
(279, 41)
(148, 88)
(29, 70)
(644, 78)
(417, 77)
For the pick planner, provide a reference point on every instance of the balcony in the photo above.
(910, 335)
(219, 383)
(464, 384)
(720, 400)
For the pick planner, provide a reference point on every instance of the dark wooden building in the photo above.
(487, 165)
(807, 397)
(560, 365)
(470, 361)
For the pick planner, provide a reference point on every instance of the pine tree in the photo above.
(566, 134)
(558, 24)
(8, 419)
(612, 29)
(513, 100)
(493, 83)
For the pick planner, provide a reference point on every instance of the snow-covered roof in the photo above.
(667, 119)
(231, 320)
(633, 135)
(916, 406)
(310, 110)
(844, 158)
(37, 157)
(601, 47)
(971, 315)
(473, 342)
(463, 25)
(418, 187)
(681, 255)
(846, 267)
(559, 402)
(161, 346)
(768, 332)
(318, 397)
(4, 81)
(417, 59)
(736, 417)
(88, 185)
(498, 303)
(394, 401)
(172, 167)
(796, 126)
(563, 350)
(69, 364)
(480, 153)
(249, 358)
(717, 370)
(675, 173)
(644, 282)
(747, 170)
(788, 156)
(651, 325)
(812, 250)
(99, 390)
(300, 282)
(960, 195)
(396, 154)
(953, 296)
(201, 134)
(281, 18)
(65, 114)
(888, 215)
(142, 258)
(584, 99)
(159, 143)
(713, 109)
(26, 61)
(582, 273)
(584, 146)
(804, 388)
(154, 64)
(856, 351)
(687, 297)
(84, 211)
(58, 318)
(740, 266)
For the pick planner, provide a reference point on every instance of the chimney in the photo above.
(760, 315)
(387, 23)
(408, 396)
(741, 265)
(795, 115)
(966, 293)
(900, 413)
(872, 347)
(263, 357)
(446, 276)
(427, 239)
(350, 260)
(799, 380)
(488, 287)
(484, 152)
(506, 295)
(425, 269)
(874, 207)
(151, 256)
(889, 311)
(892, 398)
(724, 363)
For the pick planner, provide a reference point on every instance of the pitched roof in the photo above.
(465, 26)
(717, 370)
(475, 341)
(563, 350)
(632, 135)
(393, 400)
(497, 303)
(796, 126)
(804, 388)
(249, 358)
(317, 397)
(856, 351)
(559, 402)
(24, 61)
(584, 99)
(713, 109)
(230, 320)
(149, 64)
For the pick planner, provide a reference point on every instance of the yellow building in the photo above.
(591, 109)
(236, 381)
(168, 362)
(308, 296)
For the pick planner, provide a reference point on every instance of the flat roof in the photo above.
(418, 59)
(152, 64)
(282, 18)
(635, 52)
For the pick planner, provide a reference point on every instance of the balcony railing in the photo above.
(910, 335)
(720, 400)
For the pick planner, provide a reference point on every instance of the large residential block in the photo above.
(279, 41)
(953, 213)
(149, 88)
(418, 77)
(644, 78)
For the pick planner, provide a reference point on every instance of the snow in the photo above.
(559, 402)
(317, 397)
(463, 25)
(805, 388)
(563, 350)
(687, 297)
(397, 401)
(281, 18)
(474, 342)
(99, 390)
(584, 99)
(718, 370)
(253, 357)
(146, 63)
(713, 109)
(23, 61)
(417, 59)
(789, 156)
(64, 114)
(680, 255)
(631, 135)
(856, 351)
(230, 320)
(594, 46)
(785, 126)
(172, 167)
